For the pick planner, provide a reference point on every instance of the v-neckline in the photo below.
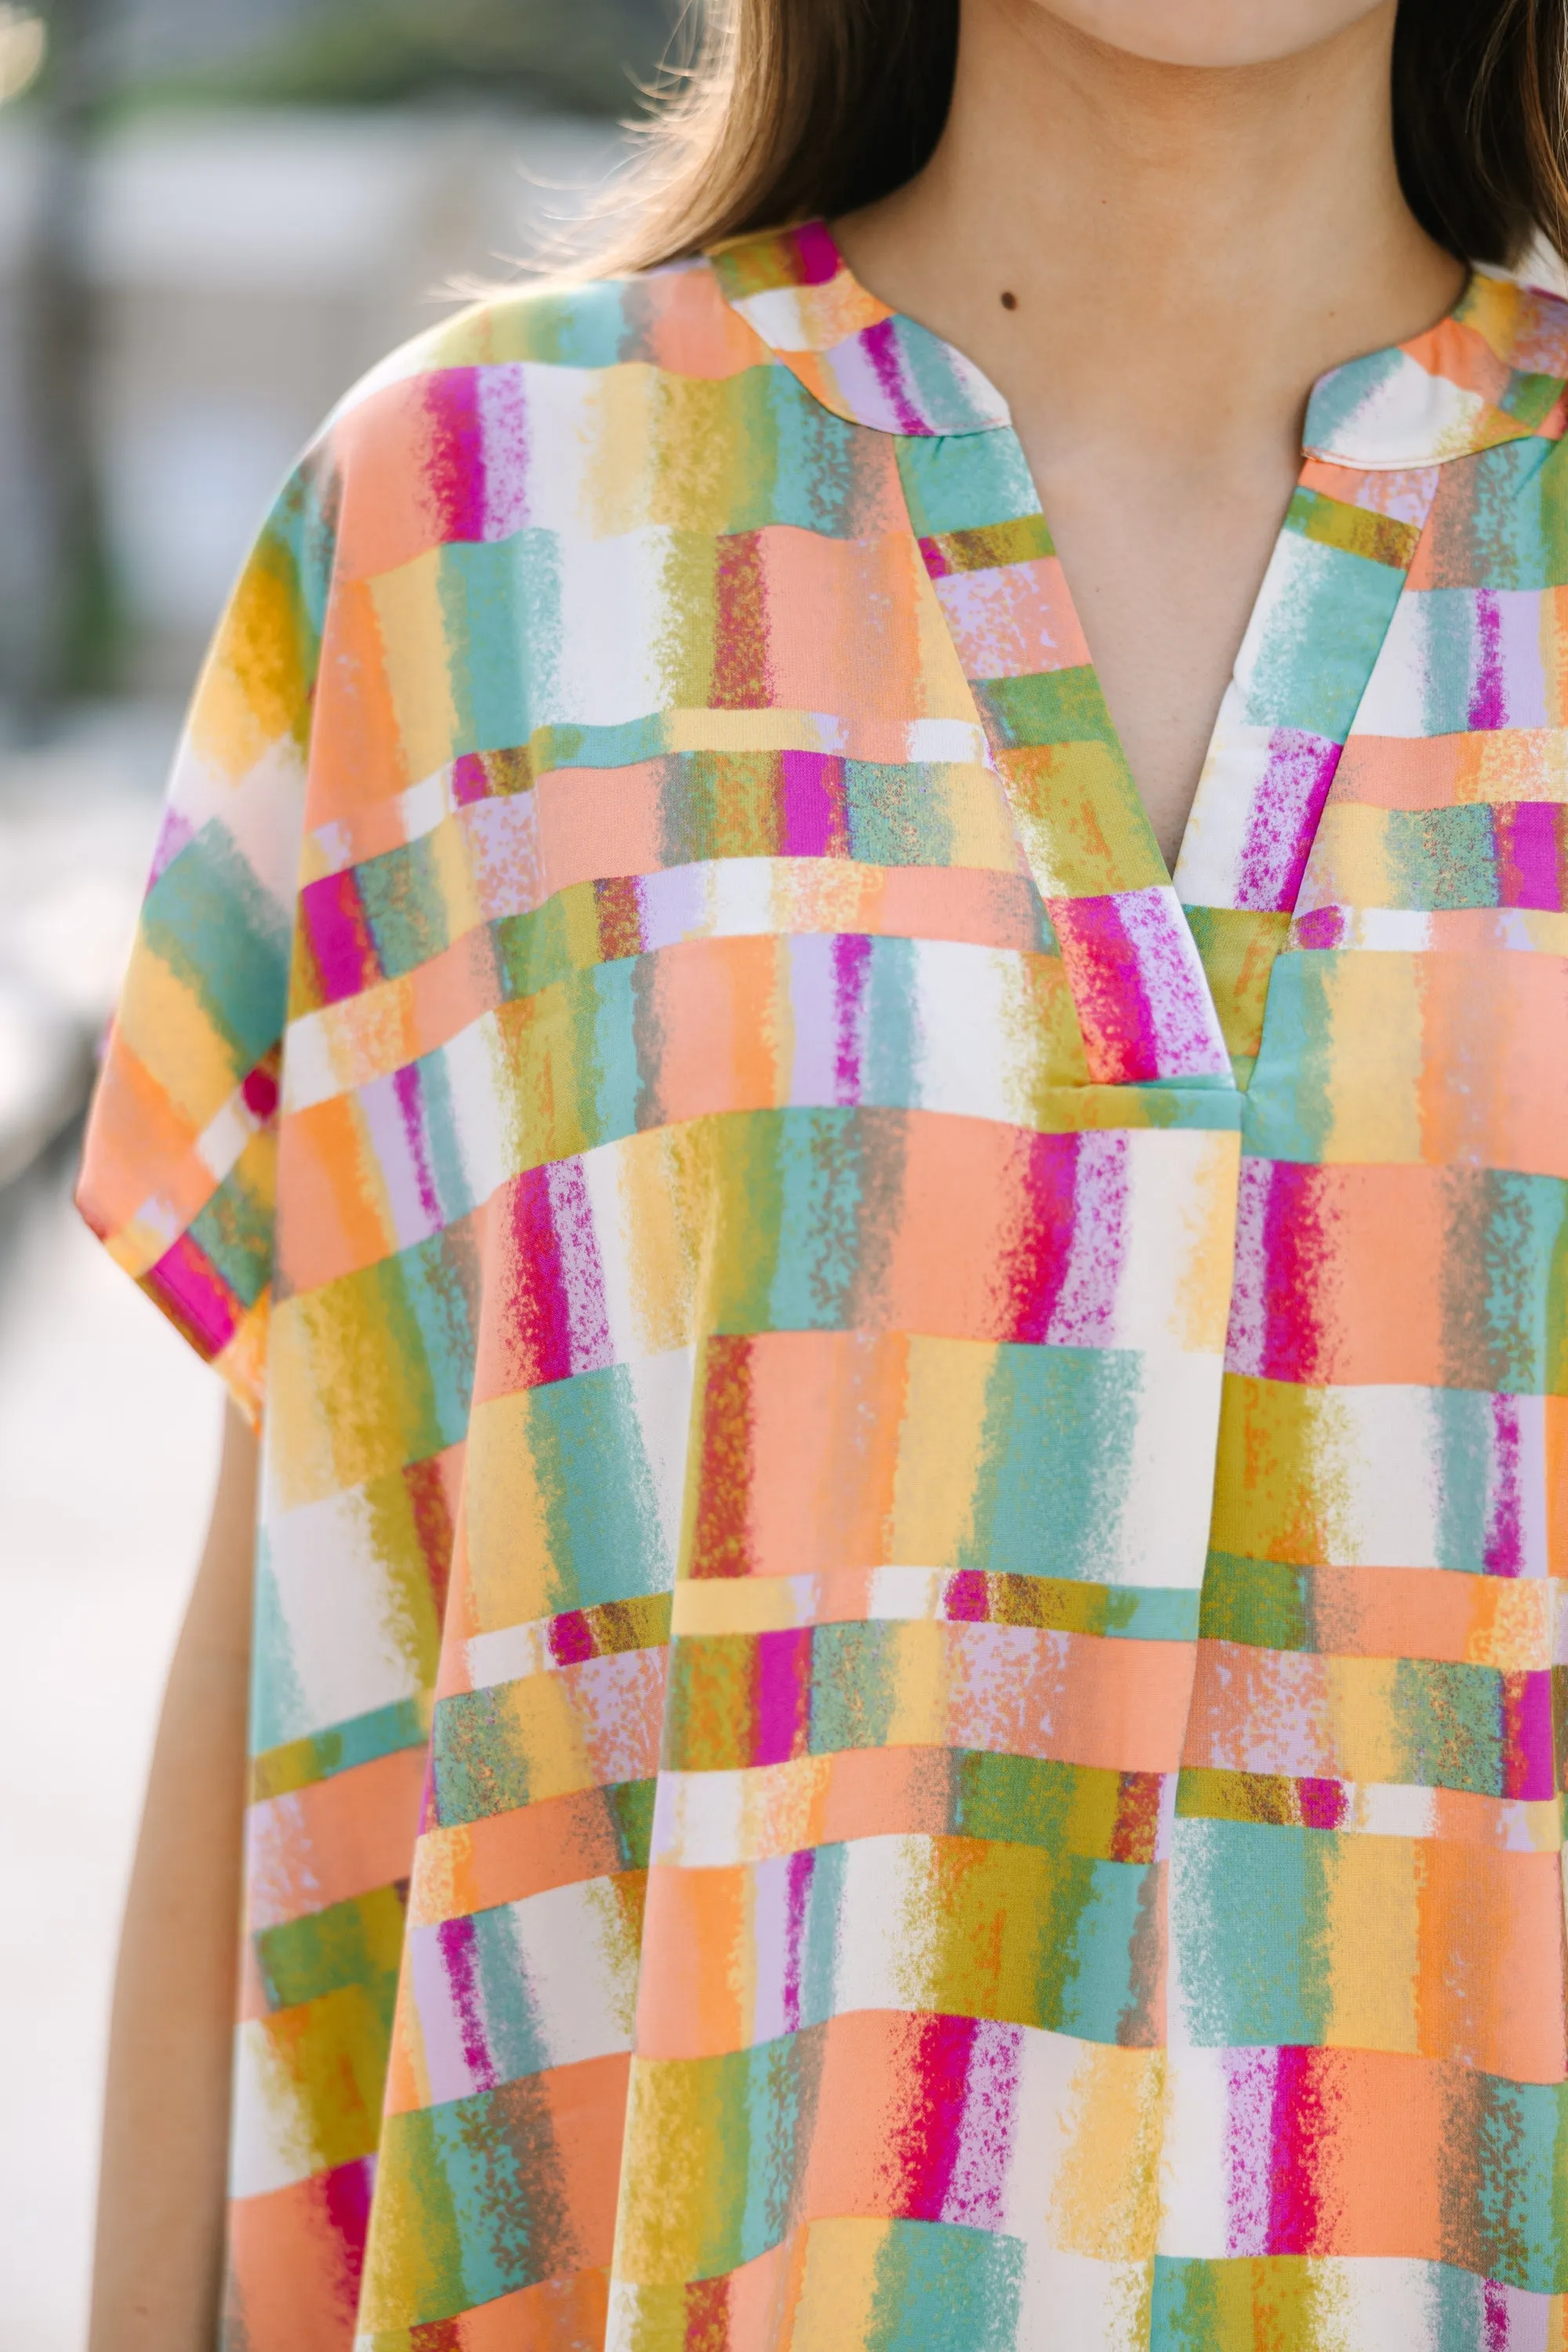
(1169, 966)
(1070, 606)
(1168, 969)
(1069, 611)
(1168, 980)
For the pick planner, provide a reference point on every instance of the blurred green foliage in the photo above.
(587, 56)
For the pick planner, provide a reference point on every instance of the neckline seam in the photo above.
(805, 362)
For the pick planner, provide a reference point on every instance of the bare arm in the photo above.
(161, 2191)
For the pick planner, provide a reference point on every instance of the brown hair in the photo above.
(791, 108)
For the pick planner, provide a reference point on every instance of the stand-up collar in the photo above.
(1492, 370)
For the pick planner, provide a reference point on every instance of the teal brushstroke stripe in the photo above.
(321, 1755)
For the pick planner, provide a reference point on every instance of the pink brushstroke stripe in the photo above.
(1321, 926)
(1505, 1549)
(188, 1283)
(501, 403)
(451, 2007)
(817, 256)
(883, 348)
(454, 461)
(470, 780)
(556, 1308)
(1187, 1039)
(408, 1088)
(815, 821)
(1142, 1001)
(978, 2182)
(1103, 973)
(344, 2196)
(851, 972)
(934, 558)
(1083, 1314)
(476, 462)
(1277, 1301)
(1300, 2132)
(938, 2051)
(1287, 801)
(781, 1696)
(1528, 1769)
(1489, 696)
(1248, 2144)
(1528, 850)
(1033, 1266)
(339, 931)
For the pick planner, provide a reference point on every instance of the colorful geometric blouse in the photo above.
(915, 1474)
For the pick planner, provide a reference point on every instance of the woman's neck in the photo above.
(1155, 264)
(1182, 243)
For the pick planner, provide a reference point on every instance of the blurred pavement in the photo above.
(77, 820)
(108, 1444)
(109, 1429)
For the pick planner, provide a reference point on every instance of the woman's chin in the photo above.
(1212, 33)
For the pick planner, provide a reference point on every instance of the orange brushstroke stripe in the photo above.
(337, 1839)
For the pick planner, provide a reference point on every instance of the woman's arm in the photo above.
(161, 2190)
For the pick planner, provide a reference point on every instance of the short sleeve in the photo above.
(179, 1170)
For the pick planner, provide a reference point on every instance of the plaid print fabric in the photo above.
(915, 1474)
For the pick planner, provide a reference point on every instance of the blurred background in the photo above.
(214, 215)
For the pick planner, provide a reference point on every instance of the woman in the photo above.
(833, 1764)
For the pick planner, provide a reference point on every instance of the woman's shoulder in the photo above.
(1524, 324)
(674, 320)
